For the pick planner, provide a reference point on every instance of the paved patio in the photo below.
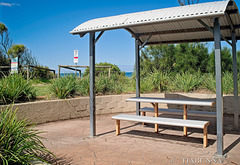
(138, 144)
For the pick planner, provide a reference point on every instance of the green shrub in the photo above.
(104, 71)
(38, 73)
(186, 82)
(156, 81)
(1, 92)
(146, 85)
(227, 81)
(103, 84)
(113, 85)
(119, 83)
(15, 88)
(83, 86)
(209, 82)
(19, 143)
(128, 86)
(64, 86)
(160, 81)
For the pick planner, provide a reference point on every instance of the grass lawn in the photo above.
(42, 90)
(40, 81)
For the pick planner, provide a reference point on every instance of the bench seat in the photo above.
(164, 121)
(180, 112)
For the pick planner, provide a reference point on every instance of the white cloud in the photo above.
(8, 4)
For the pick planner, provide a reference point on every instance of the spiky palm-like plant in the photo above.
(19, 142)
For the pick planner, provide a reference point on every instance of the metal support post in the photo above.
(145, 42)
(137, 65)
(98, 37)
(212, 31)
(92, 85)
(235, 81)
(219, 95)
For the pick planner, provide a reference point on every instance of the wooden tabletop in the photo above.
(200, 102)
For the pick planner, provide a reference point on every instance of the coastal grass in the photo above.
(83, 86)
(64, 86)
(228, 83)
(157, 82)
(14, 88)
(20, 142)
(185, 82)
(116, 84)
(209, 82)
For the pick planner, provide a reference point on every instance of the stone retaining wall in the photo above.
(54, 110)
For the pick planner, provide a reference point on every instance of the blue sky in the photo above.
(44, 25)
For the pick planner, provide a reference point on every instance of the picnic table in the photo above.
(177, 101)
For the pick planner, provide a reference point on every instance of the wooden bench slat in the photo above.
(162, 121)
(180, 112)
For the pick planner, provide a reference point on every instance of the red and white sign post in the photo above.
(75, 59)
(75, 56)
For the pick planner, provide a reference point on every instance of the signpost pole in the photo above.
(75, 60)
(76, 70)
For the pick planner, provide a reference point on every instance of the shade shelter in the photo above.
(214, 21)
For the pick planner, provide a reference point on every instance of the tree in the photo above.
(226, 61)
(25, 58)
(157, 58)
(191, 57)
(2, 27)
(5, 40)
(28, 59)
(238, 60)
(5, 44)
(174, 58)
(187, 2)
(41, 73)
(24, 55)
(4, 61)
(16, 51)
(9, 51)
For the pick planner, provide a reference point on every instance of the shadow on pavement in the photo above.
(58, 160)
(231, 146)
(156, 136)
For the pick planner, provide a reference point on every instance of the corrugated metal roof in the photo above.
(170, 25)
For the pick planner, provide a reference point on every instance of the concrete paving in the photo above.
(138, 144)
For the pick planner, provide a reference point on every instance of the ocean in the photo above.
(127, 74)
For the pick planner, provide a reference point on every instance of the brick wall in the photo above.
(54, 110)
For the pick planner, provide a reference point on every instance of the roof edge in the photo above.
(146, 23)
